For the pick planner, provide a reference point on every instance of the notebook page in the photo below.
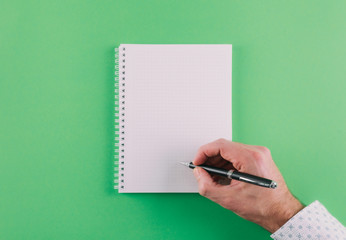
(178, 97)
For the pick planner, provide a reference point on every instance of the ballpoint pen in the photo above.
(232, 174)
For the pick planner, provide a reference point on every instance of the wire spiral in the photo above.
(119, 156)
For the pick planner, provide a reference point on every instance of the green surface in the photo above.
(56, 111)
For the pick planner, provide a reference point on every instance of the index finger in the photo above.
(220, 147)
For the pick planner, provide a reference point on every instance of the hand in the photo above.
(270, 208)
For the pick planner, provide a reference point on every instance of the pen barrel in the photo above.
(244, 177)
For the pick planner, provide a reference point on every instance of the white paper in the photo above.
(178, 97)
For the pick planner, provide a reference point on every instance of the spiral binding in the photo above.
(119, 108)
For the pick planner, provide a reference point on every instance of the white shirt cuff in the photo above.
(312, 222)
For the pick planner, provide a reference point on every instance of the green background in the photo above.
(57, 102)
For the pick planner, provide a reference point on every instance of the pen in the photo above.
(232, 174)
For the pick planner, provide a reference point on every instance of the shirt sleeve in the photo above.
(312, 222)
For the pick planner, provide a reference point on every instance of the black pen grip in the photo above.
(211, 170)
(244, 177)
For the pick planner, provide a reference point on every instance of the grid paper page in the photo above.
(178, 97)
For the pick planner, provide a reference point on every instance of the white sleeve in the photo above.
(312, 222)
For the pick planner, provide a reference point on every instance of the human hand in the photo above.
(269, 208)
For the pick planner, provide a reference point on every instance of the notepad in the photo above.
(170, 100)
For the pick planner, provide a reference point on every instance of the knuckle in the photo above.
(200, 149)
(221, 141)
(203, 190)
(265, 151)
(257, 156)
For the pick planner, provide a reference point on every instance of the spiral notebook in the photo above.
(170, 100)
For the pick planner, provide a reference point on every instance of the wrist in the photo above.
(281, 213)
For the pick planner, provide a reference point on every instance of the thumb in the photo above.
(206, 186)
